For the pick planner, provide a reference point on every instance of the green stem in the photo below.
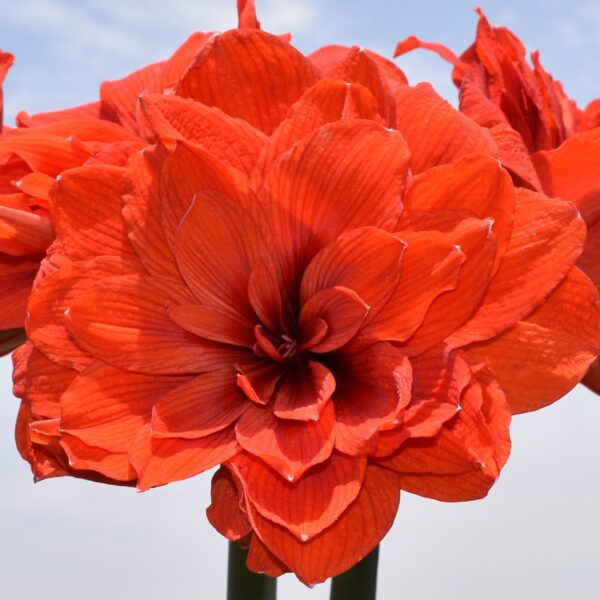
(243, 584)
(359, 583)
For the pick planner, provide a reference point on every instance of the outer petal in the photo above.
(225, 511)
(307, 506)
(16, 279)
(464, 460)
(46, 324)
(158, 462)
(232, 141)
(359, 529)
(124, 321)
(248, 74)
(86, 212)
(290, 447)
(437, 133)
(571, 172)
(538, 360)
(105, 407)
(547, 238)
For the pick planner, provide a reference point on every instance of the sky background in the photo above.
(535, 536)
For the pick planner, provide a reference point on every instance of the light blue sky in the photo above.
(535, 536)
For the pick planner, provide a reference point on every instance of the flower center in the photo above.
(280, 348)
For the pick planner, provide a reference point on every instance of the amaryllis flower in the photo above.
(319, 278)
(43, 146)
(543, 137)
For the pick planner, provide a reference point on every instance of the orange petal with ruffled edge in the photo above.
(356, 65)
(539, 360)
(248, 74)
(439, 378)
(338, 548)
(307, 506)
(290, 447)
(359, 161)
(117, 405)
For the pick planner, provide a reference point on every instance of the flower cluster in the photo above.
(329, 283)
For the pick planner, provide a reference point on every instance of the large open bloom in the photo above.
(545, 140)
(319, 278)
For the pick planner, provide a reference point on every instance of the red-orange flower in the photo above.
(43, 146)
(319, 278)
(545, 140)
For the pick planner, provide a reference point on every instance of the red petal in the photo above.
(366, 260)
(437, 133)
(325, 102)
(539, 360)
(213, 323)
(23, 232)
(547, 238)
(247, 14)
(47, 321)
(16, 279)
(464, 460)
(225, 511)
(439, 378)
(265, 297)
(217, 246)
(342, 309)
(356, 65)
(347, 541)
(86, 212)
(248, 74)
(373, 387)
(124, 321)
(308, 506)
(290, 447)
(475, 183)
(359, 161)
(260, 560)
(571, 172)
(158, 462)
(105, 407)
(430, 266)
(204, 405)
(303, 391)
(232, 141)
